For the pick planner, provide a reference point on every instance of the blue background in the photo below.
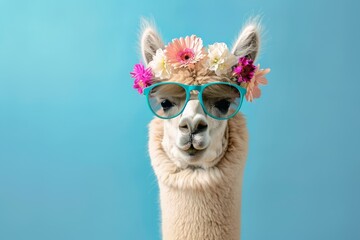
(73, 132)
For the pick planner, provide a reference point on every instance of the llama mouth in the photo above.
(192, 151)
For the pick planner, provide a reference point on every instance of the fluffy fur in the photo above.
(201, 203)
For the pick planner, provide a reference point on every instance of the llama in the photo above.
(198, 159)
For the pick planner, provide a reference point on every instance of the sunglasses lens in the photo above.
(167, 100)
(221, 100)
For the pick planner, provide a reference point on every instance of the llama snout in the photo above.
(192, 126)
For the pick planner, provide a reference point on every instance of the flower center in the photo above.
(141, 84)
(186, 55)
(246, 70)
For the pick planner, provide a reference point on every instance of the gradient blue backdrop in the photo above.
(73, 132)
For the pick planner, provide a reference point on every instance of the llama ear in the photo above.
(150, 41)
(248, 41)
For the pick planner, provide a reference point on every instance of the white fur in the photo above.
(199, 203)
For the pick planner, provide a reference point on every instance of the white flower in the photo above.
(220, 59)
(159, 65)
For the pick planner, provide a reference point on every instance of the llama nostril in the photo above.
(200, 127)
(184, 127)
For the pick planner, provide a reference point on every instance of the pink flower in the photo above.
(142, 77)
(184, 52)
(252, 89)
(244, 71)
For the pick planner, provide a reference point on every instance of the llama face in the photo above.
(193, 139)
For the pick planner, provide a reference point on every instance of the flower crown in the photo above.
(189, 53)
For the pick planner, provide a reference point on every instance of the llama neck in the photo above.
(201, 214)
(201, 203)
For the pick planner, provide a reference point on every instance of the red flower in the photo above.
(244, 70)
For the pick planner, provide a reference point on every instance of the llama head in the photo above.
(194, 139)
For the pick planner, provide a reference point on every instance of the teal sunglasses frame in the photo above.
(200, 89)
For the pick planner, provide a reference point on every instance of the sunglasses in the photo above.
(219, 100)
